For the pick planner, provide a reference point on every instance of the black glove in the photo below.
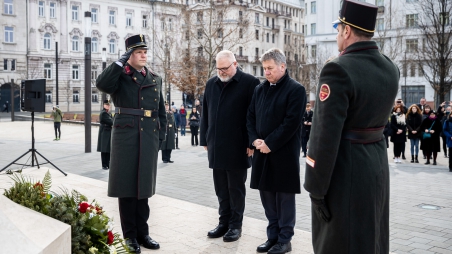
(123, 59)
(320, 208)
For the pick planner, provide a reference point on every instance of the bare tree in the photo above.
(315, 61)
(435, 55)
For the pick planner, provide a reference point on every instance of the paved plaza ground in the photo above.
(188, 182)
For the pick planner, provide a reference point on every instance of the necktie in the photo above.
(143, 71)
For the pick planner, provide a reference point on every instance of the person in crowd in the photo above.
(447, 129)
(422, 104)
(227, 96)
(138, 132)
(274, 128)
(168, 144)
(194, 126)
(104, 137)
(413, 124)
(57, 116)
(198, 107)
(306, 129)
(431, 129)
(398, 125)
(183, 120)
(5, 107)
(398, 102)
(443, 114)
(425, 114)
(177, 123)
(347, 157)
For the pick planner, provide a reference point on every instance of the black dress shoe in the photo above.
(171, 161)
(148, 242)
(232, 235)
(266, 246)
(280, 248)
(133, 245)
(104, 168)
(219, 231)
(165, 161)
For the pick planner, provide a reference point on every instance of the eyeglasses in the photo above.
(224, 69)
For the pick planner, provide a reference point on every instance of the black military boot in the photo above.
(412, 158)
(434, 162)
(415, 159)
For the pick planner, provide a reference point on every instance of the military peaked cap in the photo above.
(136, 41)
(360, 15)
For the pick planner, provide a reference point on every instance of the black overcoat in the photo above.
(306, 129)
(398, 138)
(104, 137)
(223, 121)
(134, 139)
(275, 115)
(413, 123)
(170, 140)
(431, 144)
(353, 178)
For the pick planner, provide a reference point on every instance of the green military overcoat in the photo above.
(170, 140)
(134, 139)
(356, 91)
(104, 137)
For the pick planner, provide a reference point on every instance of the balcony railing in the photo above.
(241, 58)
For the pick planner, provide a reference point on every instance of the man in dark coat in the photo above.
(306, 129)
(169, 143)
(138, 130)
(224, 136)
(274, 127)
(347, 171)
(177, 123)
(104, 137)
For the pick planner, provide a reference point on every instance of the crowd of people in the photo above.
(424, 128)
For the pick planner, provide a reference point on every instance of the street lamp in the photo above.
(406, 74)
(87, 82)
(104, 65)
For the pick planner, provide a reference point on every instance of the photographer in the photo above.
(57, 118)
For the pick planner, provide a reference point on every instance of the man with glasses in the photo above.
(224, 136)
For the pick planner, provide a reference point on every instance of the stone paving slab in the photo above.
(190, 179)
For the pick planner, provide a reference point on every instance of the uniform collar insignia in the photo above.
(128, 70)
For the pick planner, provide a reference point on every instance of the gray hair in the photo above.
(274, 53)
(225, 54)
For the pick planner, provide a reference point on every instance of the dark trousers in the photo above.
(450, 158)
(177, 137)
(166, 154)
(230, 190)
(304, 143)
(280, 211)
(398, 148)
(444, 144)
(182, 129)
(57, 127)
(105, 159)
(194, 135)
(134, 215)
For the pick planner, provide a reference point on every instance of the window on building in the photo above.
(268, 37)
(200, 51)
(199, 17)
(75, 96)
(240, 33)
(240, 51)
(314, 51)
(47, 71)
(74, 12)
(111, 17)
(411, 20)
(52, 8)
(187, 35)
(256, 19)
(94, 97)
(313, 28)
(380, 24)
(404, 69)
(9, 34)
(313, 7)
(75, 72)
(13, 64)
(112, 46)
(41, 5)
(5, 64)
(262, 71)
(257, 52)
(220, 33)
(240, 16)
(128, 19)
(420, 73)
(285, 39)
(412, 70)
(199, 33)
(413, 94)
(296, 27)
(94, 15)
(94, 45)
(257, 34)
(273, 38)
(145, 21)
(75, 43)
(48, 96)
(254, 70)
(47, 41)
(220, 16)
(162, 22)
(411, 45)
(444, 18)
(411, 1)
(379, 2)
(170, 24)
(93, 74)
(8, 7)
(268, 21)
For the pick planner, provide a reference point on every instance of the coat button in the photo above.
(141, 98)
(154, 130)
(141, 108)
(141, 119)
(155, 99)
(153, 80)
(155, 89)
(141, 129)
(153, 120)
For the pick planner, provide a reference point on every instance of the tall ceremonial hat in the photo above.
(136, 41)
(360, 15)
(107, 102)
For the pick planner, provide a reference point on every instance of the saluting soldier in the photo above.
(169, 143)
(138, 130)
(104, 137)
(347, 171)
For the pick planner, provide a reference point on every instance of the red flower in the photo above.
(83, 207)
(110, 238)
(38, 185)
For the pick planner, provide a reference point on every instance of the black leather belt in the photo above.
(137, 112)
(364, 136)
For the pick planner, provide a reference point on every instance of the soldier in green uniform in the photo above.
(138, 130)
(104, 137)
(169, 144)
(347, 171)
